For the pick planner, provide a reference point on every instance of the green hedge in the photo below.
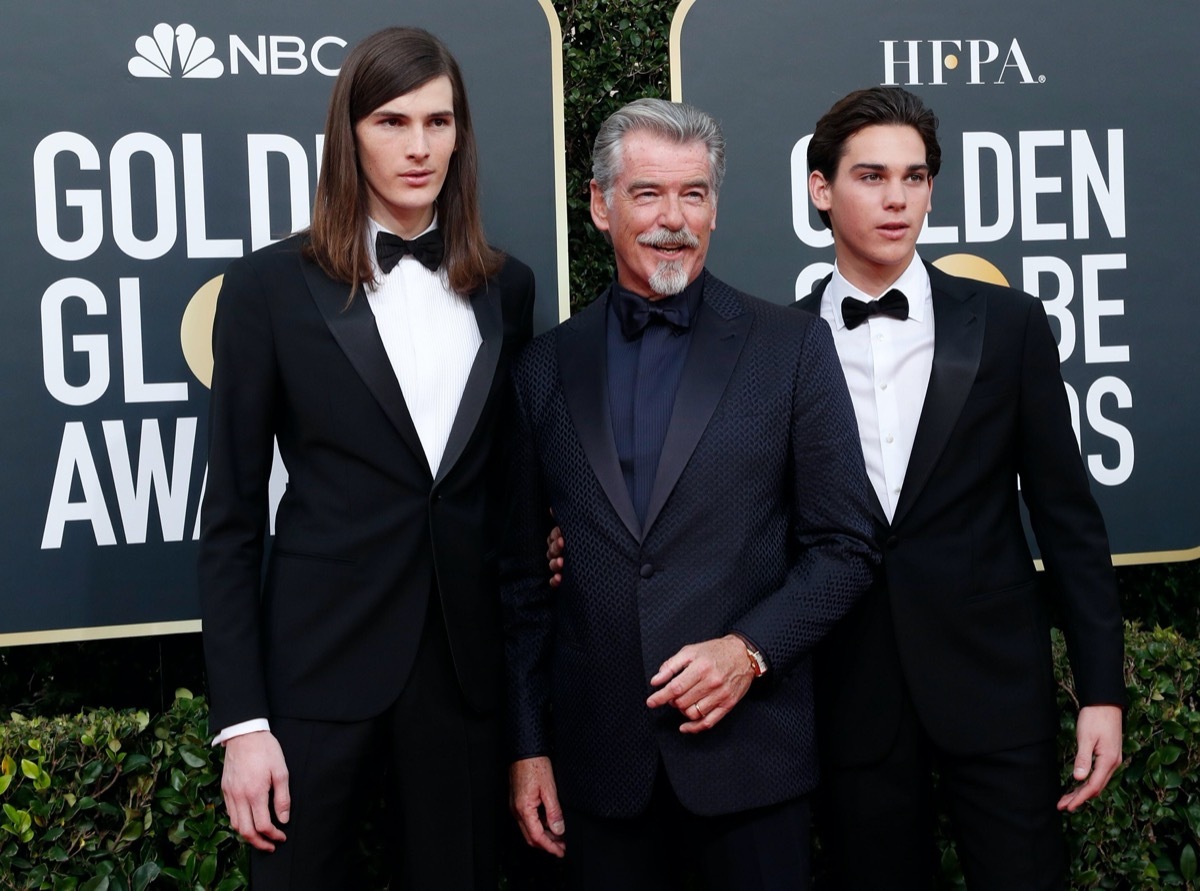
(114, 801)
(119, 800)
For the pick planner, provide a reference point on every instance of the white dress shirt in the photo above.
(431, 337)
(887, 363)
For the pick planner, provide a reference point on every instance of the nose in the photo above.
(418, 145)
(894, 196)
(671, 215)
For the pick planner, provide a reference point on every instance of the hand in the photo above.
(554, 549)
(704, 681)
(533, 800)
(254, 768)
(1098, 734)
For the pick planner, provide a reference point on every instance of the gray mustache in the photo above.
(669, 238)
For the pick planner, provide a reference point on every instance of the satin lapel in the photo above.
(583, 365)
(486, 303)
(717, 342)
(812, 304)
(354, 329)
(958, 323)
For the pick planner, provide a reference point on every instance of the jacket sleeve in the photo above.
(525, 592)
(833, 554)
(1067, 522)
(244, 399)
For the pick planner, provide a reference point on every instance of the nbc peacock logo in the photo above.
(157, 51)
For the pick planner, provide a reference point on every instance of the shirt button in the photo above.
(891, 438)
(883, 386)
(646, 571)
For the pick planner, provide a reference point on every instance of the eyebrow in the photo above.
(879, 168)
(701, 183)
(386, 113)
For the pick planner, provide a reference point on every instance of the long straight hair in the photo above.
(379, 68)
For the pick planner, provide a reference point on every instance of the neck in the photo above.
(405, 225)
(872, 279)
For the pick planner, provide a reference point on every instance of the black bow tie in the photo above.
(893, 304)
(635, 313)
(426, 249)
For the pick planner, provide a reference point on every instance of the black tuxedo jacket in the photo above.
(365, 531)
(959, 615)
(758, 523)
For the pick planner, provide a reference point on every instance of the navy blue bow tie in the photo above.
(636, 313)
(892, 304)
(426, 249)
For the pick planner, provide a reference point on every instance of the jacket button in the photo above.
(646, 571)
(892, 542)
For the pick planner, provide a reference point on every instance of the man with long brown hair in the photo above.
(374, 349)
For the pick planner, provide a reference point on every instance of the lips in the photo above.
(893, 230)
(417, 177)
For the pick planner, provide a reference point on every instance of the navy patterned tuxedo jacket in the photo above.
(758, 523)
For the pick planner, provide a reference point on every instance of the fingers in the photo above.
(1097, 775)
(714, 674)
(533, 799)
(254, 771)
(554, 543)
(668, 671)
(1098, 755)
(704, 720)
(554, 549)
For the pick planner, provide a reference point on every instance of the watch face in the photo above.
(758, 661)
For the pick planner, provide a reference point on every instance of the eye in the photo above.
(440, 123)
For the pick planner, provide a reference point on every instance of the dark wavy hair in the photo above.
(387, 64)
(866, 108)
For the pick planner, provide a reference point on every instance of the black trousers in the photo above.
(435, 762)
(667, 847)
(876, 821)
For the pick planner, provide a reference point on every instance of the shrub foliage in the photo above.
(114, 801)
(119, 801)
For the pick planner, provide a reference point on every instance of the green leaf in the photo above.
(1169, 754)
(1187, 863)
(97, 883)
(192, 757)
(132, 831)
(207, 871)
(30, 769)
(5, 780)
(145, 874)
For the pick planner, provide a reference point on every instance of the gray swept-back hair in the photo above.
(673, 121)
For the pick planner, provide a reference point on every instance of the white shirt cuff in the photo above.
(251, 726)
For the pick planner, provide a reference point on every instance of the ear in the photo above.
(818, 190)
(929, 198)
(599, 207)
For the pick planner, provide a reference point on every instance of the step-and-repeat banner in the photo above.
(144, 145)
(1068, 135)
